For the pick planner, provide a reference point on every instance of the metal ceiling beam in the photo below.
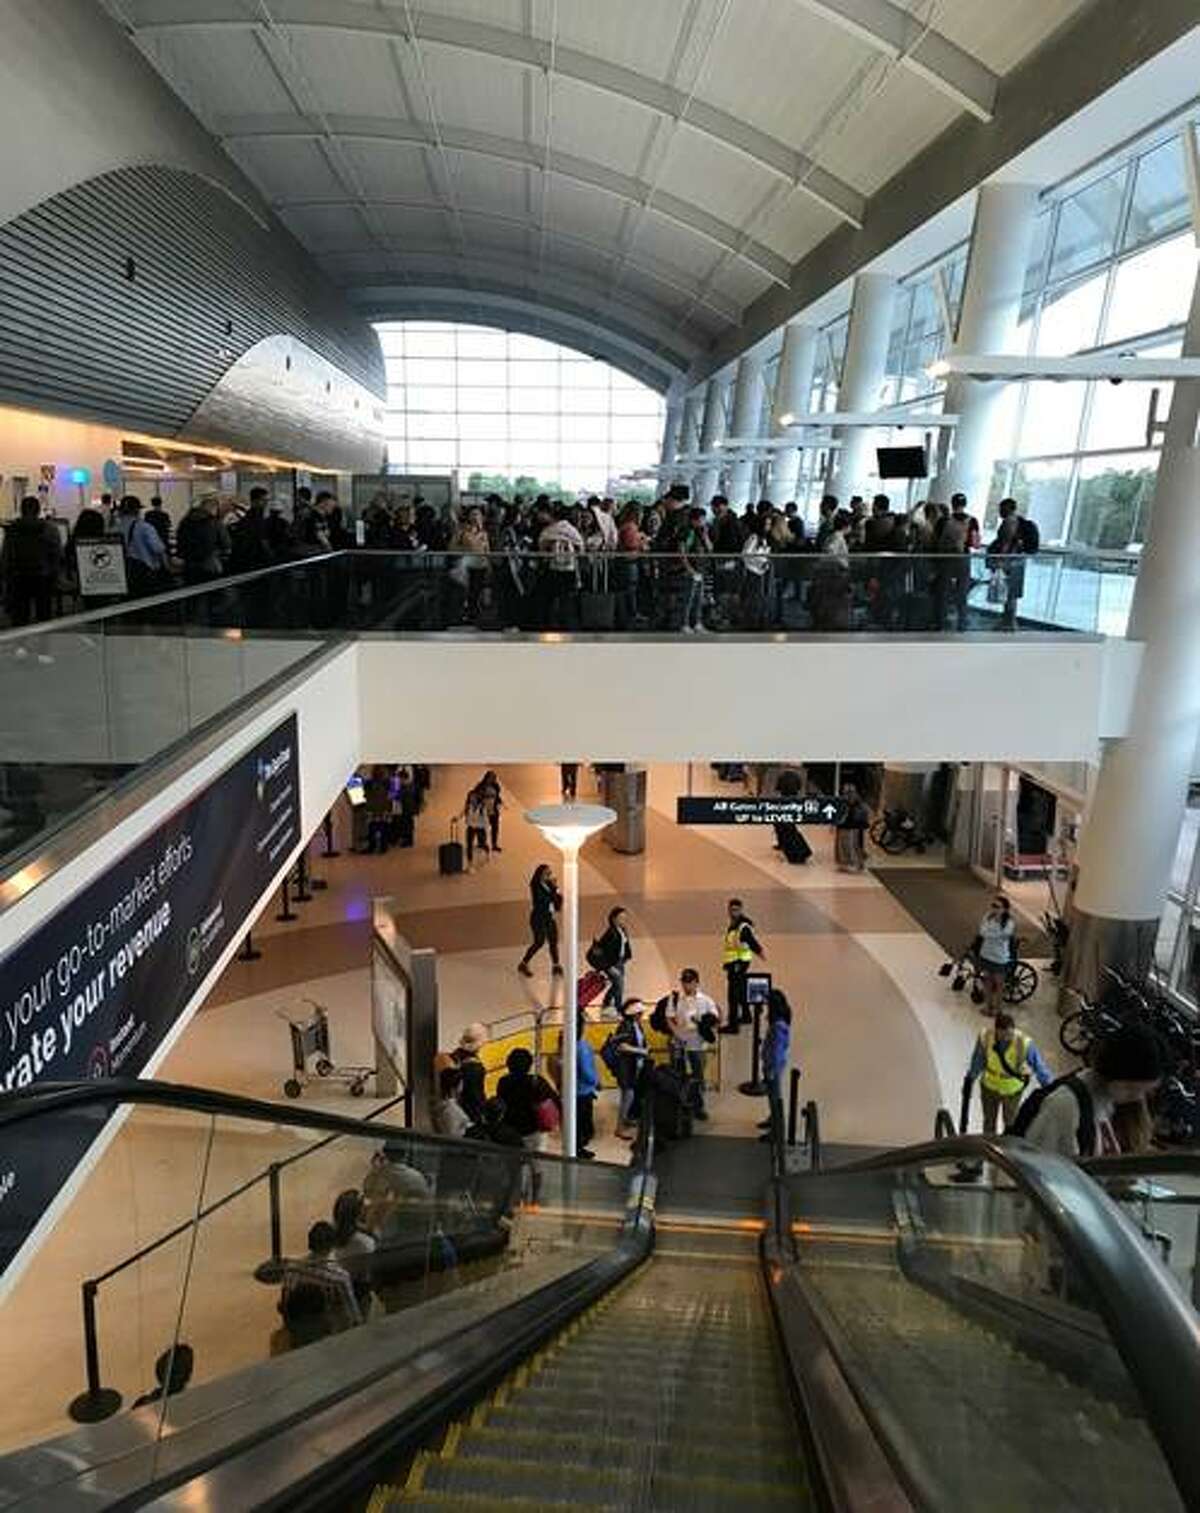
(898, 34)
(447, 297)
(726, 309)
(509, 313)
(147, 17)
(581, 297)
(525, 155)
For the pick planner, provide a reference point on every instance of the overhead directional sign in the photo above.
(814, 809)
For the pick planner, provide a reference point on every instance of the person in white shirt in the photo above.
(560, 546)
(995, 946)
(690, 1013)
(1074, 1116)
(602, 532)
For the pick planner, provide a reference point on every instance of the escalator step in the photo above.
(725, 1425)
(602, 1448)
(589, 1485)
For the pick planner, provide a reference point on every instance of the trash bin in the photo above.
(625, 793)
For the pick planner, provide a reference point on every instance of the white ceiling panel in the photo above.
(577, 208)
(739, 283)
(287, 167)
(219, 72)
(886, 129)
(469, 90)
(600, 127)
(649, 36)
(722, 181)
(349, 73)
(795, 224)
(492, 184)
(663, 241)
(391, 170)
(421, 226)
(1001, 35)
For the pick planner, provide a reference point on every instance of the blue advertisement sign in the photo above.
(96, 989)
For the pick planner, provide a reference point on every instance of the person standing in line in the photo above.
(475, 821)
(145, 555)
(610, 953)
(850, 844)
(632, 1058)
(545, 902)
(776, 1051)
(493, 802)
(587, 1085)
(203, 542)
(995, 946)
(29, 564)
(689, 1013)
(569, 774)
(739, 947)
(159, 521)
(472, 1093)
(1003, 1062)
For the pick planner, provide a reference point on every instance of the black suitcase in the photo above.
(450, 853)
(793, 844)
(672, 1115)
(405, 829)
(597, 606)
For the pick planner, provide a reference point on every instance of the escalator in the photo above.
(877, 1338)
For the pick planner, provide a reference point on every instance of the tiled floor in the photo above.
(880, 1037)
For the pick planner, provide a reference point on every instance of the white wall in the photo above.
(30, 441)
(887, 700)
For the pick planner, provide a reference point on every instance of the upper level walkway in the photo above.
(525, 657)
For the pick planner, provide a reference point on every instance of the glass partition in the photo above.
(975, 1341)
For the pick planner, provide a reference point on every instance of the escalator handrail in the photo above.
(49, 1098)
(1151, 1322)
(1149, 1164)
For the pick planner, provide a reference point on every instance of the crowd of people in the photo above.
(534, 564)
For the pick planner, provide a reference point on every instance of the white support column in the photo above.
(712, 430)
(1137, 809)
(672, 426)
(793, 392)
(1005, 215)
(745, 422)
(862, 378)
(689, 435)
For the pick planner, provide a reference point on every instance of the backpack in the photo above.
(1029, 536)
(658, 1019)
(1085, 1133)
(610, 1053)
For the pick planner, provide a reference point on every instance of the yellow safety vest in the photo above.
(736, 948)
(995, 1078)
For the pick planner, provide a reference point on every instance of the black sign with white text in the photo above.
(815, 809)
(96, 989)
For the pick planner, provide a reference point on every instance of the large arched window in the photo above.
(498, 405)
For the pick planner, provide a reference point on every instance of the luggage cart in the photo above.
(310, 1040)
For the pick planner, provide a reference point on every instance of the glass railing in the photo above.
(86, 700)
(1160, 1195)
(1013, 1339)
(214, 1234)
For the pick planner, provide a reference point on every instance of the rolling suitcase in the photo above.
(793, 844)
(672, 1116)
(591, 985)
(597, 605)
(450, 853)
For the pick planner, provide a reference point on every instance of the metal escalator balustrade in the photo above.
(1012, 1342)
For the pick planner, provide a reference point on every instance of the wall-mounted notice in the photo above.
(97, 988)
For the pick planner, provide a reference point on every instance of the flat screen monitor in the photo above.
(758, 988)
(902, 462)
(354, 791)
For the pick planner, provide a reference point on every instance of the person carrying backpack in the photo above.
(626, 1054)
(1016, 539)
(1073, 1117)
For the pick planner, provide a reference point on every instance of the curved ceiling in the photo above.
(642, 168)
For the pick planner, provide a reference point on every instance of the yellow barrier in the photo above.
(494, 1053)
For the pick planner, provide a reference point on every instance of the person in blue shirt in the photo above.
(587, 1085)
(1004, 1061)
(776, 1051)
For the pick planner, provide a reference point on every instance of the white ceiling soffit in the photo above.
(916, 46)
(670, 278)
(416, 134)
(800, 172)
(451, 299)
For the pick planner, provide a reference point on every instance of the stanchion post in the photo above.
(249, 951)
(303, 896)
(286, 912)
(327, 828)
(755, 1087)
(96, 1402)
(271, 1270)
(793, 1105)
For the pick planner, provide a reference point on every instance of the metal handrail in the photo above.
(943, 1125)
(1152, 1324)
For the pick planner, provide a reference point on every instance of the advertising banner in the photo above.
(96, 989)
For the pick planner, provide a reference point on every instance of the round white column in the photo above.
(712, 430)
(689, 438)
(863, 374)
(672, 426)
(793, 394)
(1132, 829)
(746, 423)
(1005, 215)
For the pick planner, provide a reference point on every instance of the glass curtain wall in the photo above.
(499, 406)
(1177, 951)
(1112, 270)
